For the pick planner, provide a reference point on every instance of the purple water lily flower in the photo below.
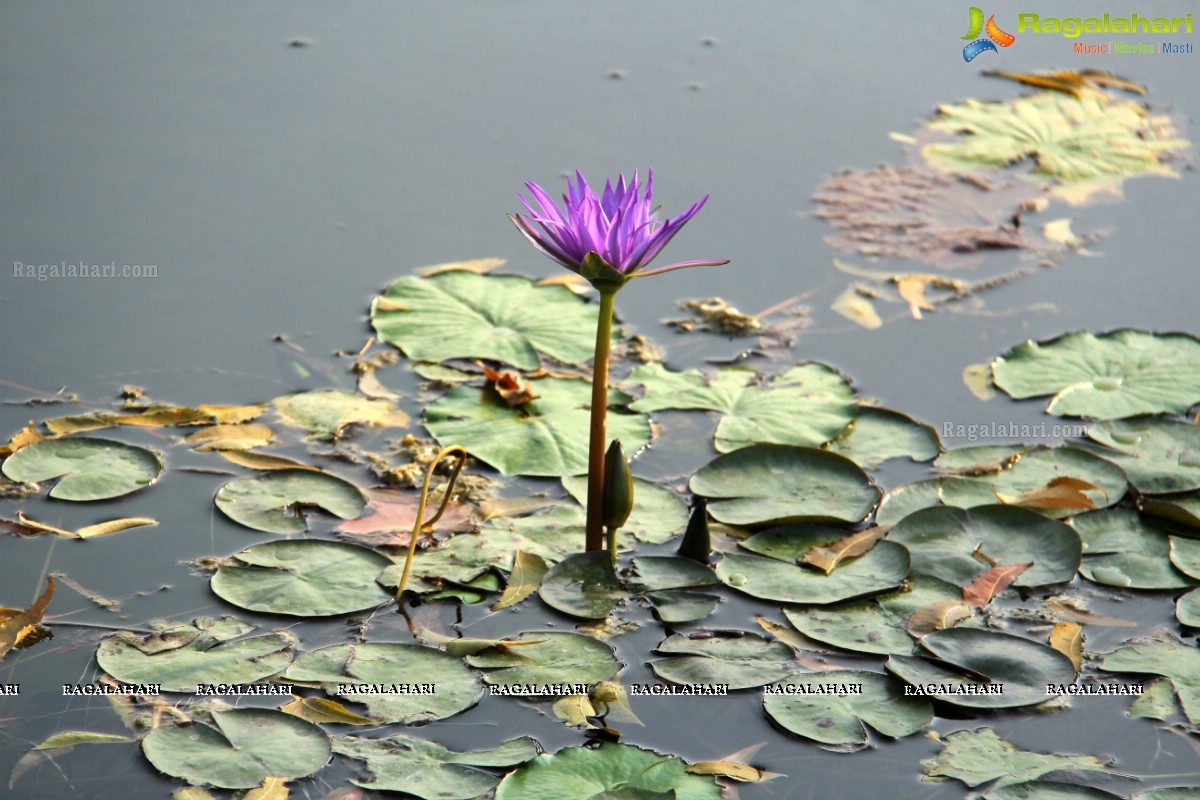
(619, 227)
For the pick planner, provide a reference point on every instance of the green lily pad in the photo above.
(1187, 608)
(610, 772)
(428, 770)
(880, 569)
(382, 676)
(976, 757)
(302, 578)
(1123, 549)
(942, 541)
(741, 662)
(655, 573)
(904, 500)
(266, 502)
(1035, 469)
(1010, 671)
(500, 317)
(767, 484)
(879, 434)
(325, 412)
(977, 459)
(87, 469)
(180, 656)
(242, 748)
(1156, 702)
(1093, 140)
(658, 514)
(1181, 509)
(876, 625)
(1170, 793)
(807, 405)
(1112, 376)
(675, 607)
(1049, 790)
(826, 716)
(550, 657)
(583, 585)
(1174, 660)
(548, 436)
(1159, 456)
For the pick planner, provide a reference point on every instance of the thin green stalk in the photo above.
(597, 443)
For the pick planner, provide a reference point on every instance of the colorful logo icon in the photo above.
(995, 36)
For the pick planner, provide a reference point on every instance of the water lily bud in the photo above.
(618, 486)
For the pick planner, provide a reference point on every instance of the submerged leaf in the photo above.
(976, 757)
(610, 772)
(430, 771)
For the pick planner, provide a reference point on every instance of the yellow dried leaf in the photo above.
(23, 438)
(1061, 492)
(571, 280)
(16, 624)
(113, 526)
(903, 138)
(231, 437)
(856, 308)
(978, 378)
(827, 557)
(163, 418)
(191, 793)
(1067, 638)
(320, 709)
(271, 789)
(479, 266)
(44, 528)
(527, 573)
(263, 461)
(1059, 232)
(912, 290)
(937, 616)
(233, 415)
(63, 426)
(732, 769)
(575, 709)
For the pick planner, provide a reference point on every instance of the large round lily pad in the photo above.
(239, 750)
(548, 436)
(303, 578)
(610, 772)
(1027, 480)
(88, 469)
(768, 484)
(807, 405)
(779, 579)
(875, 625)
(182, 656)
(979, 668)
(268, 502)
(396, 682)
(537, 657)
(879, 434)
(741, 662)
(1115, 375)
(505, 318)
(1159, 456)
(1123, 549)
(836, 707)
(944, 542)
(428, 770)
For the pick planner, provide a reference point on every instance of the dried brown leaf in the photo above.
(508, 385)
(984, 589)
(937, 616)
(827, 557)
(16, 624)
(23, 438)
(1061, 492)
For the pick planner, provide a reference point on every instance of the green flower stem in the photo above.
(597, 443)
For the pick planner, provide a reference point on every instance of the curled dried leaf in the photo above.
(937, 616)
(984, 589)
(827, 557)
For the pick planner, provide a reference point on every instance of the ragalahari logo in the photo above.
(995, 36)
